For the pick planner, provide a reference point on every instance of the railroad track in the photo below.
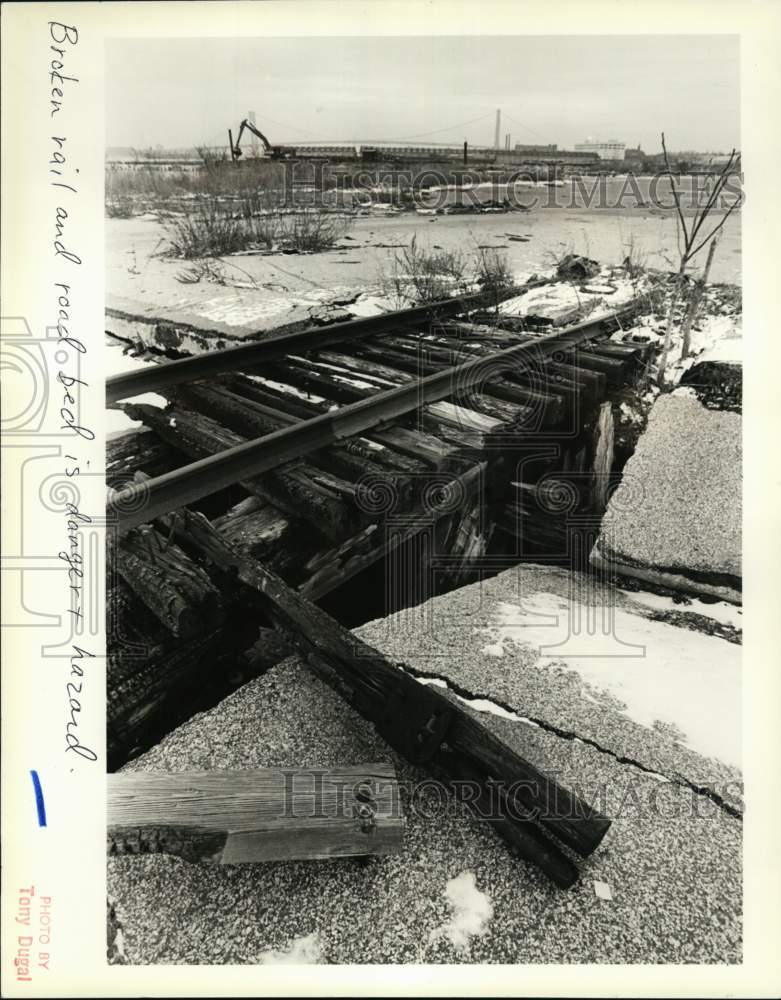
(320, 452)
(418, 338)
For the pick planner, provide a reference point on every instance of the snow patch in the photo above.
(472, 911)
(552, 301)
(116, 421)
(686, 391)
(660, 673)
(287, 389)
(719, 611)
(561, 298)
(301, 951)
(480, 704)
(235, 310)
(713, 338)
(370, 305)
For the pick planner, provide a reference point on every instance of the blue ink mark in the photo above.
(39, 804)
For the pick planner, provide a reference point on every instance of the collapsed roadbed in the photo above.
(565, 659)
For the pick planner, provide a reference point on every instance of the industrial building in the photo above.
(610, 150)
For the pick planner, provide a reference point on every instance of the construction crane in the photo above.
(272, 152)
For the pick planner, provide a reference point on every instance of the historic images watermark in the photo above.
(314, 794)
(322, 184)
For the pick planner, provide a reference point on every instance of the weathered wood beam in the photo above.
(505, 405)
(256, 527)
(139, 448)
(590, 385)
(292, 404)
(172, 587)
(269, 814)
(151, 689)
(614, 369)
(486, 333)
(251, 418)
(418, 721)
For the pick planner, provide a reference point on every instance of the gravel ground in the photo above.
(689, 461)
(672, 858)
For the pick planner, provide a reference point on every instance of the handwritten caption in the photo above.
(72, 352)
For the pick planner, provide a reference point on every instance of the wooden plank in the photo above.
(614, 369)
(434, 450)
(545, 408)
(256, 527)
(286, 400)
(269, 814)
(482, 333)
(253, 457)
(342, 387)
(395, 447)
(362, 367)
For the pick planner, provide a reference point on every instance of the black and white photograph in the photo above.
(387, 518)
(424, 440)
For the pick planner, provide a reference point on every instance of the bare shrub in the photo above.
(158, 187)
(420, 275)
(214, 227)
(700, 232)
(492, 272)
(310, 232)
(205, 230)
(297, 232)
(204, 269)
(635, 262)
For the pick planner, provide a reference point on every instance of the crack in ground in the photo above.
(505, 711)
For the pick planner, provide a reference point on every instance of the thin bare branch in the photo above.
(718, 187)
(676, 196)
(716, 228)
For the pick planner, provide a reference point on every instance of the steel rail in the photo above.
(142, 502)
(235, 359)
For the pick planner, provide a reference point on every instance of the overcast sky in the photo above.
(562, 89)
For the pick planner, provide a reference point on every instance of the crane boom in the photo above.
(274, 152)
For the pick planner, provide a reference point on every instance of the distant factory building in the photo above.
(520, 148)
(611, 150)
